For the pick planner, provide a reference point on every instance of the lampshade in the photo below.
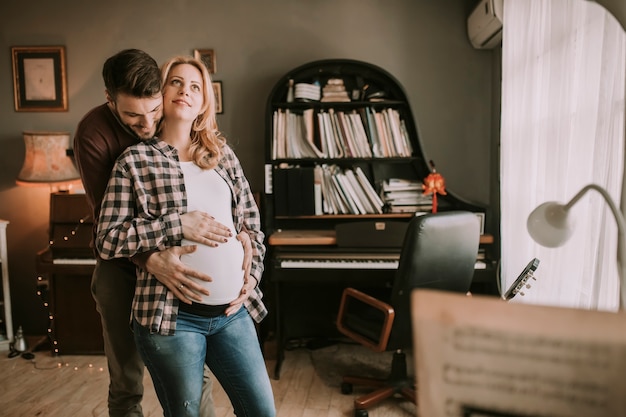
(549, 224)
(46, 161)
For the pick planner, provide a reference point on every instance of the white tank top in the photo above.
(208, 192)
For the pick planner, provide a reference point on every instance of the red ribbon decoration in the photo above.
(434, 183)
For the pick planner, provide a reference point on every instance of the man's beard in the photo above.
(140, 134)
(143, 135)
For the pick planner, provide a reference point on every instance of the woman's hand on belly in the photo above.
(244, 238)
(201, 227)
(249, 283)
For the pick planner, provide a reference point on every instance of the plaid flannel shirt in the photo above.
(141, 211)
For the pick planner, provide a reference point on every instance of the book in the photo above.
(352, 194)
(331, 202)
(334, 90)
(280, 191)
(278, 135)
(381, 131)
(309, 131)
(317, 189)
(294, 191)
(300, 191)
(483, 353)
(343, 196)
(346, 133)
(360, 192)
(372, 132)
(360, 136)
(370, 192)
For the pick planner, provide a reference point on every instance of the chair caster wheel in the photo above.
(346, 388)
(360, 413)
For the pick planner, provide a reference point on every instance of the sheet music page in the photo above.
(482, 356)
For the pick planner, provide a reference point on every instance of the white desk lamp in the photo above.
(551, 226)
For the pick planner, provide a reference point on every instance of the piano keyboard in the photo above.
(74, 261)
(339, 261)
(353, 261)
(346, 264)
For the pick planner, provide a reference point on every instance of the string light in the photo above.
(74, 231)
(42, 291)
(43, 288)
(76, 368)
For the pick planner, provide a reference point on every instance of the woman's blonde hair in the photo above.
(206, 139)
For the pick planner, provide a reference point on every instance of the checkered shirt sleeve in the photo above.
(142, 203)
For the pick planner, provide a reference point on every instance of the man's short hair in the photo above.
(132, 72)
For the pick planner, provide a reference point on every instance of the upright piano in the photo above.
(65, 268)
(308, 270)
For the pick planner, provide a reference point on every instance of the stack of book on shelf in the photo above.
(307, 92)
(405, 196)
(388, 133)
(345, 191)
(323, 189)
(359, 133)
(481, 261)
(335, 90)
(342, 135)
(293, 135)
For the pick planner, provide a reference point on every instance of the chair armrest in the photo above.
(365, 319)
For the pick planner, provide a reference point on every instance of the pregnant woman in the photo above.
(189, 168)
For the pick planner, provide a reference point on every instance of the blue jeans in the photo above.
(113, 287)
(228, 345)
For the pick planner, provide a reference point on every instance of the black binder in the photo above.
(294, 191)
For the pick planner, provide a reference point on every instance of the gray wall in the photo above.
(423, 43)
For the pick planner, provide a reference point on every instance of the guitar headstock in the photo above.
(522, 280)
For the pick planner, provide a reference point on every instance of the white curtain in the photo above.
(563, 87)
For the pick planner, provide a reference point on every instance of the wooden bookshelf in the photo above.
(378, 143)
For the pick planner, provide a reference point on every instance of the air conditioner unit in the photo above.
(484, 24)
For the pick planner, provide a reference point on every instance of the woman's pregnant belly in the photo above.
(223, 264)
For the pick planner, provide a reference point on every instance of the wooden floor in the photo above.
(76, 386)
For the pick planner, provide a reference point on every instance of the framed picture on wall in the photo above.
(217, 89)
(208, 57)
(39, 78)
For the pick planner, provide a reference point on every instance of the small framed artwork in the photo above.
(208, 57)
(39, 78)
(219, 101)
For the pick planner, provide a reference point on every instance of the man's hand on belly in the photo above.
(166, 266)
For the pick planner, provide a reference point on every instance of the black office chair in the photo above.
(439, 252)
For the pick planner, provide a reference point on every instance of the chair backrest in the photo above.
(439, 252)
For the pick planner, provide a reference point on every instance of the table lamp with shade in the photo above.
(47, 161)
(551, 225)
